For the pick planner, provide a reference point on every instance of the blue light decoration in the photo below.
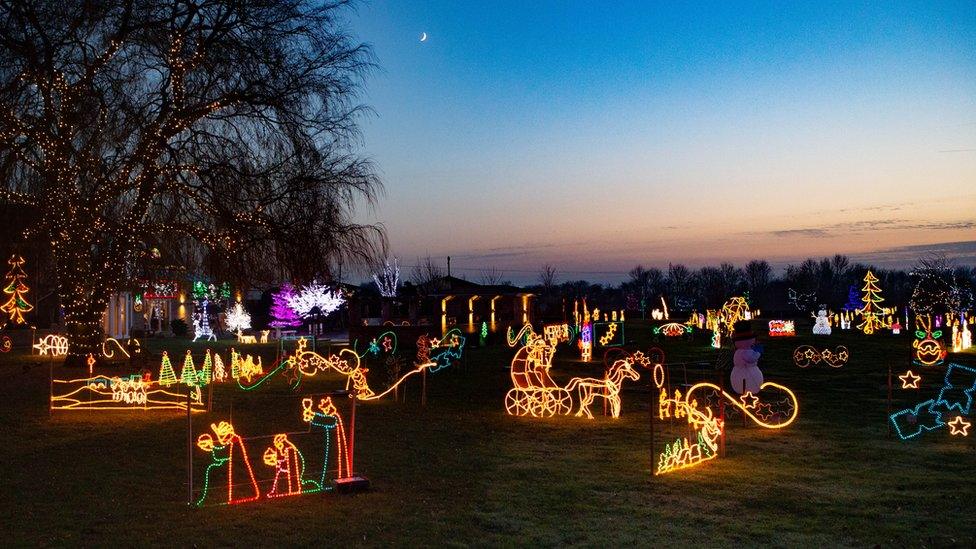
(955, 396)
(446, 350)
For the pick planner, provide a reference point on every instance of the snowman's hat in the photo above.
(742, 330)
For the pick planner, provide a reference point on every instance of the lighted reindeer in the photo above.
(608, 388)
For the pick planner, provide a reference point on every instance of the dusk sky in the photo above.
(594, 135)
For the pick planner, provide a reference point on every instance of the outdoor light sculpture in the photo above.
(223, 451)
(110, 342)
(534, 392)
(52, 345)
(120, 393)
(17, 304)
(238, 319)
(201, 323)
(928, 348)
(821, 323)
(872, 315)
(734, 310)
(782, 328)
(954, 400)
(805, 355)
(328, 420)
(707, 427)
(607, 388)
(672, 329)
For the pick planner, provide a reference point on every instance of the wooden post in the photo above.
(189, 449)
(423, 396)
(654, 390)
(888, 421)
(721, 413)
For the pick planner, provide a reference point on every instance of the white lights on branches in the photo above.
(238, 319)
(315, 297)
(388, 280)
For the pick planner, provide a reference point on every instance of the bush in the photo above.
(178, 326)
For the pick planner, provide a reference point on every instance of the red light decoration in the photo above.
(781, 328)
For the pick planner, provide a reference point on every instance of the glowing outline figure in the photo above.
(791, 401)
(927, 349)
(534, 392)
(684, 454)
(222, 453)
(607, 338)
(734, 310)
(289, 463)
(607, 388)
(328, 419)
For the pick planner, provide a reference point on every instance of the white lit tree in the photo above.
(314, 298)
(238, 318)
(388, 280)
(231, 125)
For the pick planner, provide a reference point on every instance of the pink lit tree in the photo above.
(284, 316)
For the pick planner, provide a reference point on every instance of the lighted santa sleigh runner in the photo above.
(317, 456)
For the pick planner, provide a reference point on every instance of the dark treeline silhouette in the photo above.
(937, 286)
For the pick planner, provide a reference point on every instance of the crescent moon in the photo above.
(423, 37)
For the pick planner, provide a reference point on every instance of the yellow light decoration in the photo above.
(757, 410)
(959, 426)
(245, 339)
(607, 388)
(52, 345)
(909, 380)
(534, 392)
(110, 342)
(17, 304)
(805, 355)
(115, 393)
(345, 363)
(873, 316)
(928, 349)
(673, 329)
(611, 332)
(684, 454)
(734, 310)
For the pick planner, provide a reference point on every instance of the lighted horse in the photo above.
(607, 388)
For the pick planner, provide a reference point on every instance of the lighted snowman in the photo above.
(821, 324)
(746, 375)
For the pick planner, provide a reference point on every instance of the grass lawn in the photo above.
(462, 472)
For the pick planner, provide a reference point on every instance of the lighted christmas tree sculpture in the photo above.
(167, 376)
(284, 316)
(17, 305)
(206, 372)
(189, 373)
(872, 314)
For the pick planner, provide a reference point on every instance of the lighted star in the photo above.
(640, 358)
(909, 380)
(749, 400)
(765, 411)
(435, 342)
(959, 426)
(387, 344)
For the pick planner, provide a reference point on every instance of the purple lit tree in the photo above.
(284, 316)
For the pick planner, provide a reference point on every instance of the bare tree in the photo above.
(547, 277)
(231, 125)
(426, 275)
(491, 277)
(757, 274)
